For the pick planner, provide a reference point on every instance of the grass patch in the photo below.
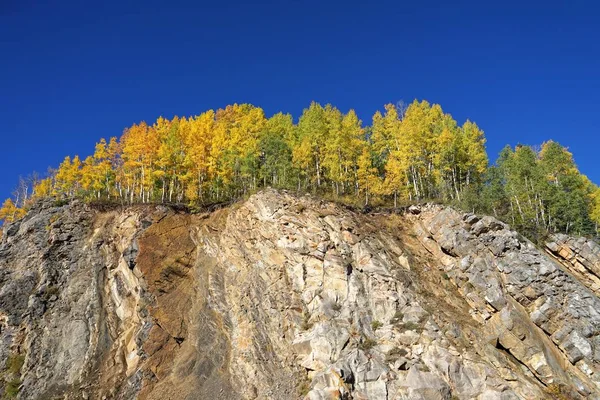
(394, 354)
(11, 390)
(306, 323)
(51, 291)
(559, 392)
(61, 202)
(199, 208)
(411, 326)
(14, 363)
(376, 325)
(367, 344)
(303, 386)
(398, 316)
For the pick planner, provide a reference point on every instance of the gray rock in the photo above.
(576, 347)
(284, 297)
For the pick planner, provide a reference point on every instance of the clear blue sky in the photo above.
(74, 71)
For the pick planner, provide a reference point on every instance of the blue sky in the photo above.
(73, 71)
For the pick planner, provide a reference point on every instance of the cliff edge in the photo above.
(285, 297)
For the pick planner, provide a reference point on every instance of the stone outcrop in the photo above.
(580, 256)
(284, 297)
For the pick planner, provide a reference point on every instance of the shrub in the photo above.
(61, 202)
(303, 386)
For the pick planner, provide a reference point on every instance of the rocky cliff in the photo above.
(285, 297)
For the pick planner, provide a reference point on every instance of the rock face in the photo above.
(285, 297)
(579, 256)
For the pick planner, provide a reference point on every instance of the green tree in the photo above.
(595, 208)
(275, 152)
(566, 191)
(418, 153)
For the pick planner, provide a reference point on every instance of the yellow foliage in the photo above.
(368, 182)
(595, 206)
(43, 188)
(219, 155)
(10, 212)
